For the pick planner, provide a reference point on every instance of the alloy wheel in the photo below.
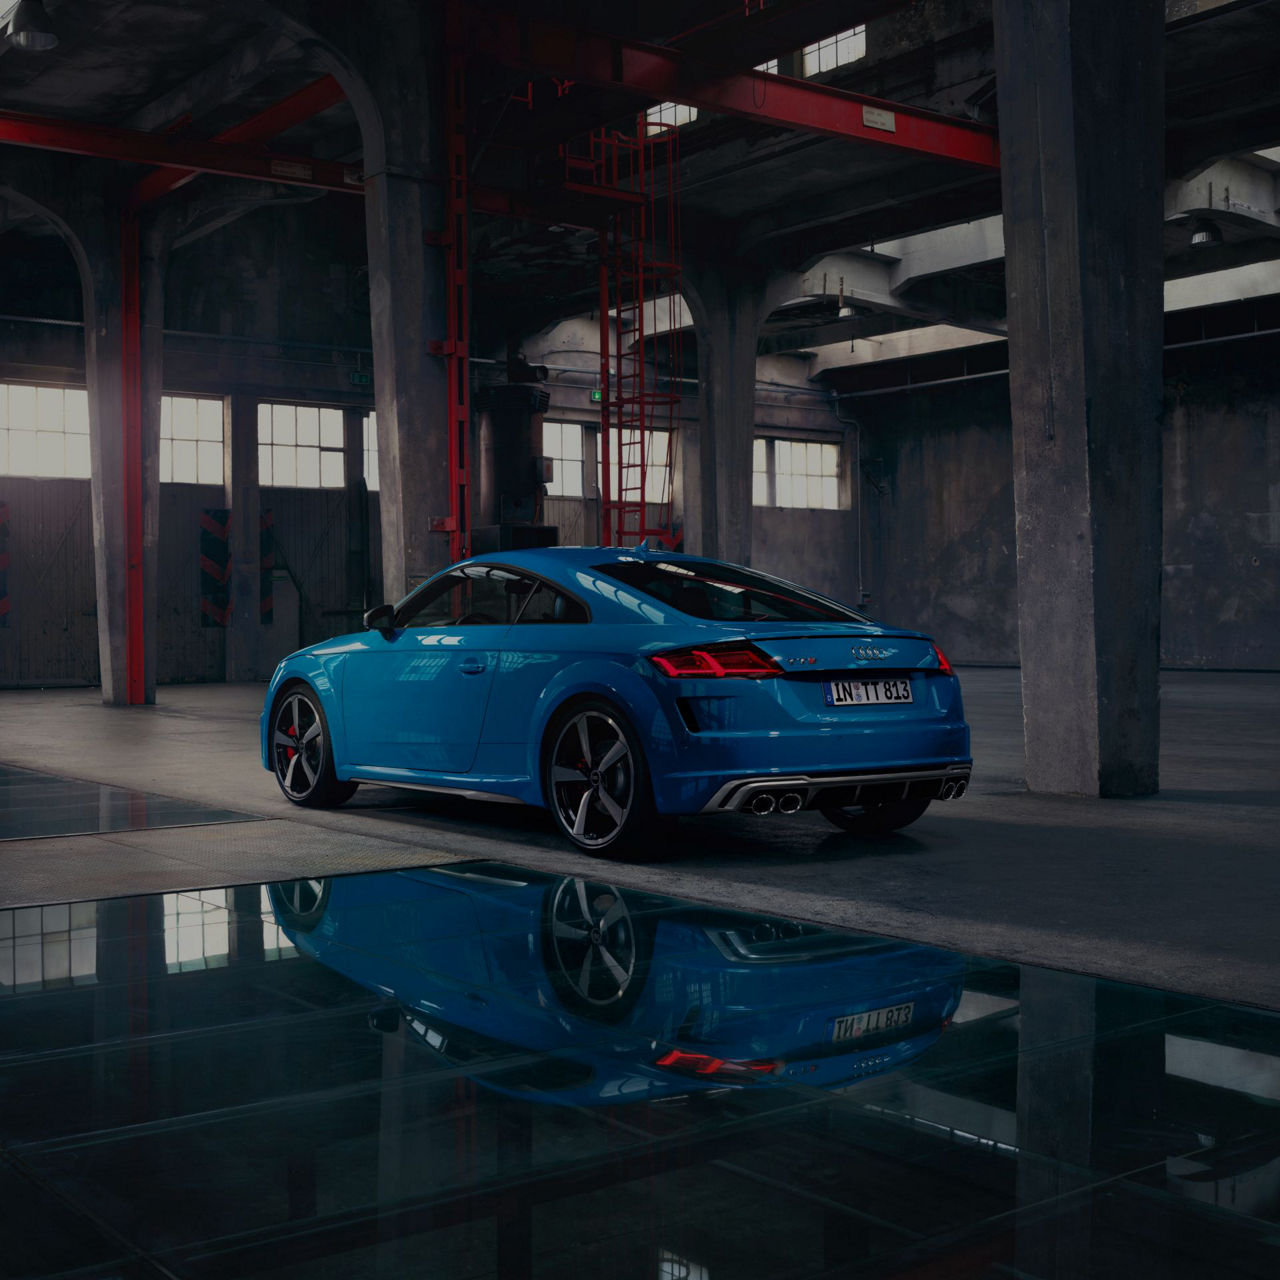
(592, 778)
(593, 940)
(297, 745)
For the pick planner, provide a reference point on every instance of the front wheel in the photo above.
(302, 752)
(876, 819)
(596, 782)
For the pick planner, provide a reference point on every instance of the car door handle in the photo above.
(471, 667)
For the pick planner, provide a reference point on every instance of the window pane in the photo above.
(813, 459)
(331, 428)
(184, 461)
(49, 408)
(78, 464)
(830, 492)
(50, 455)
(284, 429)
(308, 468)
(4, 451)
(184, 418)
(551, 440)
(814, 498)
(264, 464)
(166, 417)
(166, 460)
(283, 466)
(22, 453)
(209, 420)
(331, 469)
(75, 407)
(22, 408)
(209, 461)
(264, 424)
(759, 452)
(759, 490)
(571, 440)
(308, 426)
(4, 407)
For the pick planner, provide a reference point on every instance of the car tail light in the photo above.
(944, 667)
(703, 1064)
(714, 661)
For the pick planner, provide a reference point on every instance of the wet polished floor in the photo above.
(41, 804)
(484, 1071)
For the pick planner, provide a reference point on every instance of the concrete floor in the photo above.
(1176, 891)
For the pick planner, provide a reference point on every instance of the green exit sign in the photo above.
(597, 397)
(360, 379)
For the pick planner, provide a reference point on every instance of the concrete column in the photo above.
(713, 490)
(1081, 87)
(246, 651)
(357, 600)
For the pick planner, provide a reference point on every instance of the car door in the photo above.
(415, 698)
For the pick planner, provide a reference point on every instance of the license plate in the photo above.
(855, 1025)
(857, 693)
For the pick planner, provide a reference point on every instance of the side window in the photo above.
(476, 596)
(548, 605)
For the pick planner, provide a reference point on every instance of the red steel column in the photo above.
(131, 381)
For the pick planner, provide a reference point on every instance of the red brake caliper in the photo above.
(292, 731)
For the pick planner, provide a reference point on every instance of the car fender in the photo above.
(323, 672)
(620, 684)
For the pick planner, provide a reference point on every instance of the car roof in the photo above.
(554, 560)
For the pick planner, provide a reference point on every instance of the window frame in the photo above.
(843, 477)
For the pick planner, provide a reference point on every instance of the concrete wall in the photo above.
(939, 524)
(817, 549)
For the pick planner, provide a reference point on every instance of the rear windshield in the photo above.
(725, 593)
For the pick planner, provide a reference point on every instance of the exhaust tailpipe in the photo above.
(762, 803)
(961, 787)
(948, 790)
(790, 803)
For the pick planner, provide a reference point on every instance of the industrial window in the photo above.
(795, 473)
(371, 452)
(835, 51)
(48, 946)
(562, 443)
(771, 67)
(657, 459)
(44, 431)
(190, 440)
(668, 115)
(299, 447)
(197, 932)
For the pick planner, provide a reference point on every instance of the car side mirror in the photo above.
(380, 618)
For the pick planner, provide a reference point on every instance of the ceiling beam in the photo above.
(18, 128)
(663, 75)
(276, 119)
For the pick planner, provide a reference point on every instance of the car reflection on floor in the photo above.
(574, 991)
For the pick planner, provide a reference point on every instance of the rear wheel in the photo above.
(595, 779)
(302, 752)
(872, 819)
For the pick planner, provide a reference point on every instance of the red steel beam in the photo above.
(279, 118)
(661, 75)
(109, 143)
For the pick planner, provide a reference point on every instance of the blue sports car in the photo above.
(612, 685)
(620, 996)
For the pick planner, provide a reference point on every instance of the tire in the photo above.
(597, 951)
(301, 750)
(876, 819)
(300, 904)
(595, 779)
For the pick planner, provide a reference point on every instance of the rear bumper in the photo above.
(925, 782)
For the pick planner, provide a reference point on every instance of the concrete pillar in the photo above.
(713, 490)
(1081, 88)
(246, 645)
(357, 598)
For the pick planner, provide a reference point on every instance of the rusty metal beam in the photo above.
(664, 75)
(105, 142)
